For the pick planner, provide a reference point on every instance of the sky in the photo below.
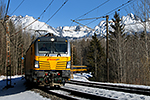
(72, 9)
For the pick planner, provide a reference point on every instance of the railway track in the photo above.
(127, 89)
(78, 90)
(71, 94)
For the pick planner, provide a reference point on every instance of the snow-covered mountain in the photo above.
(32, 24)
(131, 22)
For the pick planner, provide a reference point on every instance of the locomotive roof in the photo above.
(51, 37)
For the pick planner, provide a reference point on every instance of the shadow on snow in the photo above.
(18, 85)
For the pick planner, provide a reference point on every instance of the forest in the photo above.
(129, 54)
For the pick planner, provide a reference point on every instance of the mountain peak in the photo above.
(130, 22)
(132, 16)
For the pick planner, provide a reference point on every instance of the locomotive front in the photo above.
(52, 61)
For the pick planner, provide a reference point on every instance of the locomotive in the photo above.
(48, 61)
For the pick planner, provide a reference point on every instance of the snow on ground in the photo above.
(108, 93)
(19, 92)
(81, 77)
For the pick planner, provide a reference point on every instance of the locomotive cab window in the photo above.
(44, 47)
(60, 47)
(52, 47)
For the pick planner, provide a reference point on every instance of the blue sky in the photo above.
(71, 10)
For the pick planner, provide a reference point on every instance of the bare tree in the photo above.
(141, 10)
(2, 38)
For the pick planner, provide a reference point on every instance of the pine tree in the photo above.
(96, 58)
(117, 43)
(118, 28)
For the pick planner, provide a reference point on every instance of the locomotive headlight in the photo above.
(68, 64)
(52, 39)
(36, 64)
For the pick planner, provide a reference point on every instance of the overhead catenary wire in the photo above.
(118, 7)
(110, 12)
(17, 7)
(46, 8)
(54, 14)
(6, 10)
(121, 6)
(93, 9)
(83, 25)
(86, 26)
(96, 18)
(90, 18)
(34, 20)
(30, 23)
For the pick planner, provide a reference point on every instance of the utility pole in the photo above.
(107, 48)
(8, 60)
(107, 42)
(8, 57)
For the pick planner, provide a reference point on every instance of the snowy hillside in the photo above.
(131, 22)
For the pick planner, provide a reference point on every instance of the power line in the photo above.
(54, 14)
(28, 24)
(127, 4)
(25, 27)
(7, 9)
(121, 6)
(93, 9)
(17, 7)
(41, 13)
(35, 19)
(46, 8)
(40, 16)
(83, 25)
(90, 18)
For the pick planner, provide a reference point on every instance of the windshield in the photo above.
(52, 47)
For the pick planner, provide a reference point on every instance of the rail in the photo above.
(71, 94)
(128, 89)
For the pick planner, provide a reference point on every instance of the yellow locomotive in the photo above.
(48, 61)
